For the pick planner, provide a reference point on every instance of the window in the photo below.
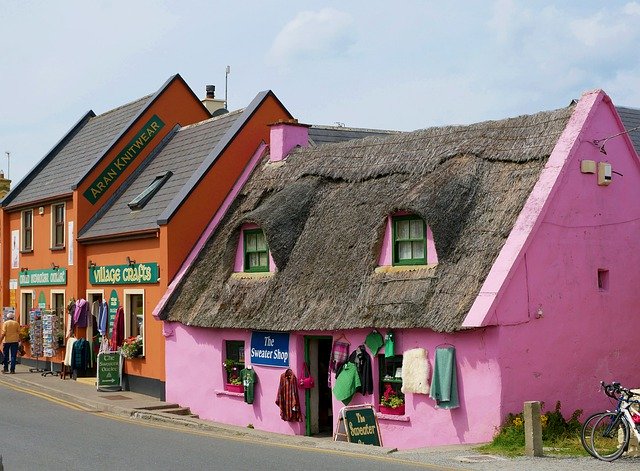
(390, 376)
(143, 198)
(234, 361)
(134, 314)
(58, 308)
(57, 226)
(256, 252)
(25, 306)
(27, 230)
(409, 241)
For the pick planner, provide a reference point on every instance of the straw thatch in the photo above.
(324, 212)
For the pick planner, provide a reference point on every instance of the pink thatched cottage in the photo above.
(509, 247)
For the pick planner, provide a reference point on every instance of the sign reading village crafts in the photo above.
(138, 273)
(43, 277)
(270, 349)
(121, 161)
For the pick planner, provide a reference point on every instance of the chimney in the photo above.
(5, 185)
(211, 102)
(286, 135)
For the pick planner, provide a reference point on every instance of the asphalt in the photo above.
(82, 393)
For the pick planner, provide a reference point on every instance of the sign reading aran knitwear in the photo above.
(121, 161)
(43, 277)
(270, 349)
(136, 274)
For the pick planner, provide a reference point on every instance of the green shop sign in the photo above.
(43, 277)
(136, 274)
(114, 304)
(121, 161)
(109, 372)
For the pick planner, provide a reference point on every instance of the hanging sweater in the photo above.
(103, 315)
(361, 359)
(117, 335)
(287, 398)
(81, 312)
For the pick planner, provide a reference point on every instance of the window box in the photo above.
(392, 410)
(236, 388)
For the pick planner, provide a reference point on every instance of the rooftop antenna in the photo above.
(8, 155)
(226, 78)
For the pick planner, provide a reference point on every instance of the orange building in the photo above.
(69, 232)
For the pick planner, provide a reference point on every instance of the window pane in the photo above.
(263, 259)
(402, 230)
(417, 229)
(260, 241)
(254, 259)
(251, 242)
(404, 250)
(418, 249)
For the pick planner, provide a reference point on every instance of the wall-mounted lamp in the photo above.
(92, 264)
(24, 269)
(130, 261)
(54, 266)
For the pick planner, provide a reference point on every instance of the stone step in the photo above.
(160, 407)
(178, 411)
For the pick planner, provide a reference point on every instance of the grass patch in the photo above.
(559, 435)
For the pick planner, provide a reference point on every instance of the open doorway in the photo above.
(318, 399)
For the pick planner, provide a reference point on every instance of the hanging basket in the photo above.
(392, 410)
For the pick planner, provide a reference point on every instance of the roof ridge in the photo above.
(213, 118)
(118, 108)
(348, 128)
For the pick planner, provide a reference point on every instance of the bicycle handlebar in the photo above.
(615, 390)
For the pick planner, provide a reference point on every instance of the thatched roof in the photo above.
(324, 212)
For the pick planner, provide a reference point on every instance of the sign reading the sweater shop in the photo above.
(109, 372)
(136, 274)
(270, 349)
(43, 277)
(121, 161)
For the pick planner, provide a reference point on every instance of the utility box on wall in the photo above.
(604, 173)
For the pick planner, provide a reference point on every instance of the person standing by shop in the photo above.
(10, 338)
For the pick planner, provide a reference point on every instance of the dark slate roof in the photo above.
(324, 212)
(61, 169)
(631, 119)
(183, 154)
(319, 135)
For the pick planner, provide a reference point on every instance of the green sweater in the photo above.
(346, 383)
(249, 379)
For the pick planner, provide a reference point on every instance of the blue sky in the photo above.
(394, 65)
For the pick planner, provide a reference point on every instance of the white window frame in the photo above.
(24, 314)
(53, 226)
(63, 327)
(127, 314)
(23, 239)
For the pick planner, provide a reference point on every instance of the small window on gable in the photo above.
(143, 198)
(256, 252)
(409, 241)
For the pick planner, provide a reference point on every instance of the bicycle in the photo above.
(606, 435)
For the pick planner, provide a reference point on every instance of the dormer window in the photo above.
(409, 240)
(143, 198)
(256, 252)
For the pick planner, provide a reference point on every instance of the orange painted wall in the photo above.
(176, 105)
(196, 212)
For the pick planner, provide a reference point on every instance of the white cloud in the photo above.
(312, 35)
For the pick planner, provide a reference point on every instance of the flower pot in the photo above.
(392, 410)
(237, 388)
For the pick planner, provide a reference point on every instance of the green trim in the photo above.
(307, 392)
(247, 252)
(412, 261)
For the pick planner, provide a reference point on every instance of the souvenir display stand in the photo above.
(50, 339)
(35, 332)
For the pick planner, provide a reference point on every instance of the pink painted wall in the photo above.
(284, 137)
(560, 334)
(195, 378)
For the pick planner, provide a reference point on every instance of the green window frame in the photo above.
(256, 251)
(409, 240)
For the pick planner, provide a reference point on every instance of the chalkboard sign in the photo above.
(109, 372)
(358, 424)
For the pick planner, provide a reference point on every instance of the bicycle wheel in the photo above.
(609, 436)
(587, 428)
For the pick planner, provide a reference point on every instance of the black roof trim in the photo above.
(143, 110)
(48, 156)
(217, 151)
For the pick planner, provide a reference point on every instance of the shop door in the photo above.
(319, 415)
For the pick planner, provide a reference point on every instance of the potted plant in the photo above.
(391, 402)
(132, 347)
(234, 383)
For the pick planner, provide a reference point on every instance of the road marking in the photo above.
(46, 396)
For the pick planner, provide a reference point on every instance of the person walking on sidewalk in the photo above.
(9, 336)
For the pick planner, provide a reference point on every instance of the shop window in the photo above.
(134, 315)
(27, 230)
(409, 241)
(256, 252)
(25, 306)
(58, 308)
(390, 377)
(234, 360)
(143, 198)
(57, 226)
